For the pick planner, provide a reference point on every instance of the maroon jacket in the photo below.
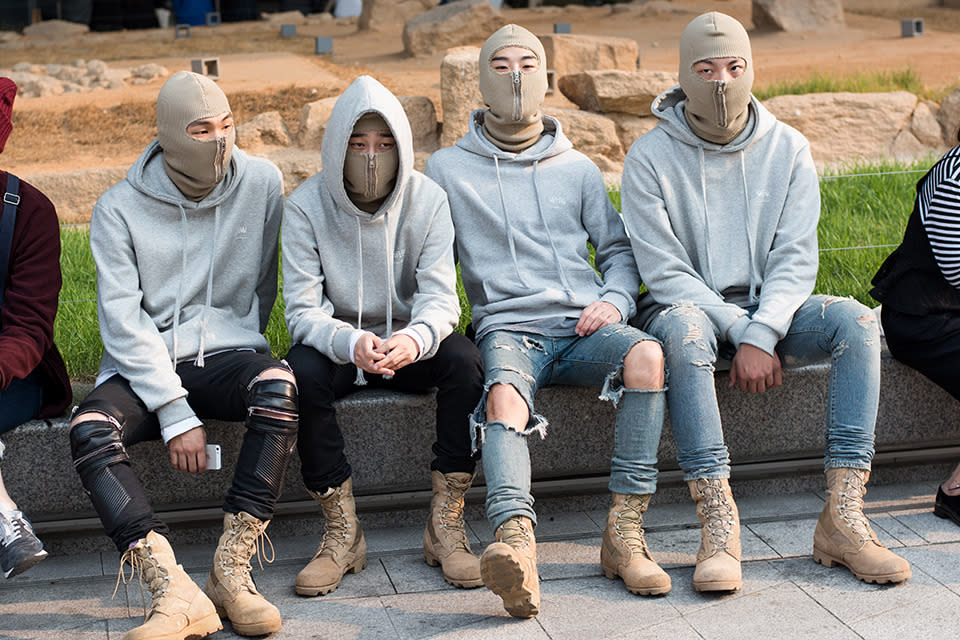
(30, 300)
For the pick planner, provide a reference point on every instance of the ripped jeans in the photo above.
(823, 327)
(528, 361)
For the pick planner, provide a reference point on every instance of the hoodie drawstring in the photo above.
(571, 296)
(183, 271)
(508, 227)
(388, 250)
(748, 223)
(706, 218)
(360, 380)
(209, 298)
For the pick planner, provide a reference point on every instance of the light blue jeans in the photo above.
(528, 361)
(823, 327)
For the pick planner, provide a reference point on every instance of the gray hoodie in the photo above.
(724, 226)
(346, 270)
(523, 222)
(177, 279)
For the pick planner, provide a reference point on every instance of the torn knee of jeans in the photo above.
(706, 365)
(826, 303)
(478, 430)
(520, 372)
(613, 387)
(840, 348)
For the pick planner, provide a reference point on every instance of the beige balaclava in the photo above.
(195, 166)
(370, 177)
(513, 120)
(716, 111)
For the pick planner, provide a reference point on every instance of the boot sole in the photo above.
(433, 561)
(724, 585)
(504, 576)
(203, 627)
(252, 629)
(304, 590)
(830, 561)
(637, 591)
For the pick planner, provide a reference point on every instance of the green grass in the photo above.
(857, 212)
(862, 82)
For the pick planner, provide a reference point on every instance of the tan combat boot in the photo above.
(509, 568)
(718, 560)
(342, 549)
(178, 608)
(624, 551)
(445, 538)
(843, 534)
(230, 585)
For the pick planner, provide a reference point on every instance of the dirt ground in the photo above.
(260, 71)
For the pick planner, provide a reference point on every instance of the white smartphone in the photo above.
(213, 457)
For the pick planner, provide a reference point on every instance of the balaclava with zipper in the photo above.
(716, 110)
(195, 166)
(8, 91)
(513, 120)
(370, 177)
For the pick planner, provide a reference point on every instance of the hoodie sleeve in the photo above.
(436, 307)
(309, 313)
(614, 257)
(129, 335)
(267, 286)
(663, 261)
(790, 272)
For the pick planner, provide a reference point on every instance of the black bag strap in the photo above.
(11, 200)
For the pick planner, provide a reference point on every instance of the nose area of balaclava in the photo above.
(195, 166)
(370, 177)
(513, 120)
(716, 110)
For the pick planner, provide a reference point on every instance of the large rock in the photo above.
(32, 85)
(568, 53)
(450, 25)
(630, 127)
(296, 165)
(383, 15)
(285, 17)
(75, 192)
(949, 117)
(459, 92)
(55, 30)
(265, 129)
(423, 122)
(924, 125)
(796, 15)
(613, 90)
(590, 133)
(847, 126)
(313, 122)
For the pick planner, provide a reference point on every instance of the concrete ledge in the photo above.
(388, 439)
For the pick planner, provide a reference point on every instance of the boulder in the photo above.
(313, 122)
(31, 85)
(568, 53)
(949, 117)
(651, 9)
(630, 127)
(591, 134)
(614, 90)
(907, 147)
(148, 73)
(450, 25)
(791, 15)
(846, 126)
(285, 17)
(459, 92)
(55, 30)
(265, 129)
(65, 73)
(75, 192)
(383, 15)
(423, 122)
(296, 165)
(924, 125)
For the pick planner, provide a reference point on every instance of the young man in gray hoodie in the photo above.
(721, 201)
(371, 293)
(525, 205)
(186, 253)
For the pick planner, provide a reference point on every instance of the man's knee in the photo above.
(505, 404)
(95, 441)
(273, 396)
(643, 366)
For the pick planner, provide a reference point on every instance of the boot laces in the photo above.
(628, 523)
(515, 533)
(450, 516)
(336, 532)
(244, 540)
(850, 508)
(149, 571)
(717, 514)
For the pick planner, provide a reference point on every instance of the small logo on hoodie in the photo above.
(242, 232)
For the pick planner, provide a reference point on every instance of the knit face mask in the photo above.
(8, 91)
(195, 166)
(716, 110)
(513, 120)
(370, 176)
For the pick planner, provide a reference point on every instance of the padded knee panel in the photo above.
(274, 413)
(96, 447)
(276, 396)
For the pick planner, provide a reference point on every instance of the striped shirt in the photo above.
(939, 201)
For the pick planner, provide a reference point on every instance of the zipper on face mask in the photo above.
(720, 102)
(371, 174)
(221, 152)
(517, 96)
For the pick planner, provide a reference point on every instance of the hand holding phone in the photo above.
(213, 457)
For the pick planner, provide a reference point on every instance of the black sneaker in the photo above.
(947, 506)
(20, 548)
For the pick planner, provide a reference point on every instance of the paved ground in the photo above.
(785, 594)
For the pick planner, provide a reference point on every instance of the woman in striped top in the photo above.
(919, 286)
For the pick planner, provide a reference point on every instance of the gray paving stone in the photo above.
(781, 611)
(900, 496)
(394, 539)
(933, 616)
(277, 584)
(849, 599)
(675, 629)
(549, 527)
(757, 576)
(892, 533)
(778, 507)
(938, 561)
(333, 619)
(789, 538)
(928, 527)
(679, 547)
(39, 610)
(440, 614)
(568, 559)
(410, 574)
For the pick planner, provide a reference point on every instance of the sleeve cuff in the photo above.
(407, 331)
(736, 330)
(761, 336)
(355, 336)
(178, 414)
(178, 428)
(621, 302)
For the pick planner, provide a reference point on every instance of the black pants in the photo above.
(219, 391)
(456, 370)
(929, 343)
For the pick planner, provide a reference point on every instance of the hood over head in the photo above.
(195, 166)
(716, 110)
(8, 91)
(355, 185)
(513, 119)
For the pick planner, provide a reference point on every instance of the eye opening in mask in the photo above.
(217, 126)
(372, 141)
(514, 58)
(722, 69)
